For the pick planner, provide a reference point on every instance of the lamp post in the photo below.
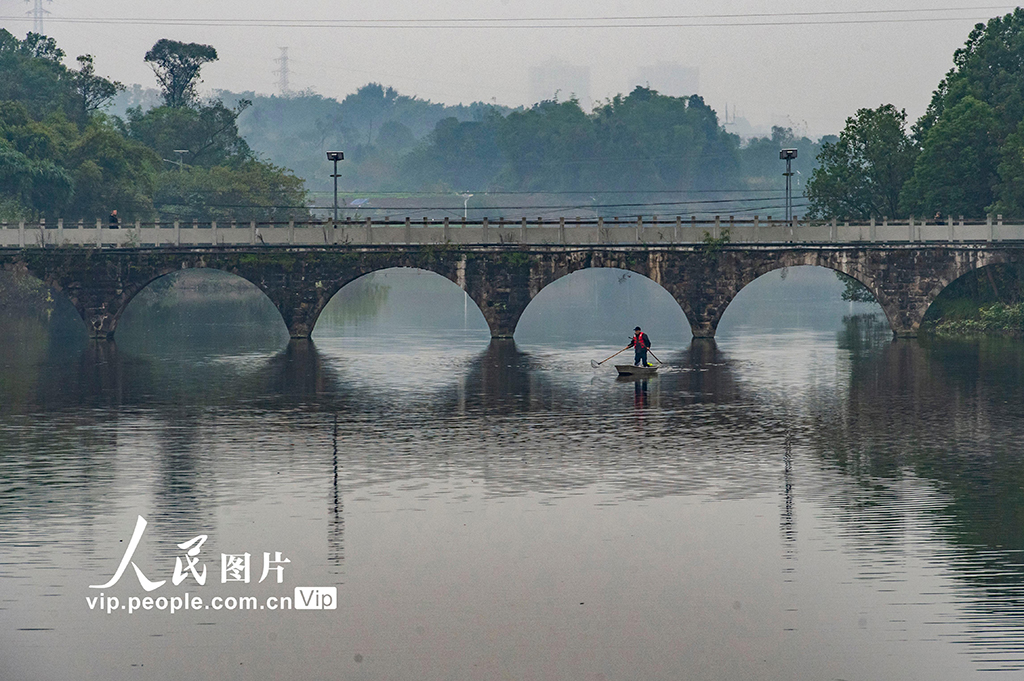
(335, 156)
(788, 155)
(465, 204)
(181, 159)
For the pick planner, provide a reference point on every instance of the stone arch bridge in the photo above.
(503, 279)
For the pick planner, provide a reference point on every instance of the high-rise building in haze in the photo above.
(566, 79)
(669, 78)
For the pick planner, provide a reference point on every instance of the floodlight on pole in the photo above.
(788, 155)
(335, 156)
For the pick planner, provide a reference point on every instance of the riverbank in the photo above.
(994, 319)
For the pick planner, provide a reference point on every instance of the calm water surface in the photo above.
(784, 504)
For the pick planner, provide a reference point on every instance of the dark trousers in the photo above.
(639, 356)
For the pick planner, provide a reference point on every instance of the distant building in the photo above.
(554, 76)
(668, 78)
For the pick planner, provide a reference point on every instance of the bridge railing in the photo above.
(614, 231)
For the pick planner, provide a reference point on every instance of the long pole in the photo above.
(335, 176)
(789, 191)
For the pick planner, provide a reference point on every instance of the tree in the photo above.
(854, 291)
(368, 107)
(988, 68)
(177, 66)
(548, 147)
(110, 172)
(33, 181)
(1010, 189)
(457, 156)
(32, 73)
(208, 133)
(92, 91)
(969, 135)
(862, 174)
(956, 170)
(252, 191)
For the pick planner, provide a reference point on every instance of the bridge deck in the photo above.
(538, 232)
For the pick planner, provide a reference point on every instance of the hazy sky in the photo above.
(775, 61)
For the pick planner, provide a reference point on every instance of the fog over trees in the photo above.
(170, 153)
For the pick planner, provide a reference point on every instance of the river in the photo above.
(802, 498)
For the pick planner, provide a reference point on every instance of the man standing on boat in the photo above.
(640, 344)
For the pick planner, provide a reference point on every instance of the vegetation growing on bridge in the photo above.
(712, 245)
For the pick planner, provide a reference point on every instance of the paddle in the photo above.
(654, 355)
(597, 364)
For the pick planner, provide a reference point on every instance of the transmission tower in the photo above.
(37, 13)
(282, 73)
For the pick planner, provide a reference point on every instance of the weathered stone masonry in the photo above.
(502, 280)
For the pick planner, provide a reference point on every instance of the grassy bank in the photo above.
(972, 319)
(988, 302)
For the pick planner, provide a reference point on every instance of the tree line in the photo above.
(638, 143)
(246, 156)
(964, 156)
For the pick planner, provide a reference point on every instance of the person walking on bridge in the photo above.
(640, 343)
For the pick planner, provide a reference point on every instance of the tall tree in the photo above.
(33, 181)
(862, 174)
(964, 166)
(989, 68)
(92, 91)
(957, 168)
(177, 66)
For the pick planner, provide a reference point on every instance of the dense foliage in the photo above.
(171, 155)
(964, 154)
(60, 156)
(861, 174)
(641, 142)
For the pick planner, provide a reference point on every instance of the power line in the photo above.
(666, 21)
(459, 209)
(576, 192)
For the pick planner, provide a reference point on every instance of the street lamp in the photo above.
(335, 156)
(788, 155)
(465, 204)
(181, 159)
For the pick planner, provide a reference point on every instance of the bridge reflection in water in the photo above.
(906, 466)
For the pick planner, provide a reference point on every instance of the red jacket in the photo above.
(644, 341)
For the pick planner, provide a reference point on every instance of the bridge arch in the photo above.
(103, 318)
(336, 291)
(983, 262)
(216, 281)
(600, 279)
(808, 297)
(792, 259)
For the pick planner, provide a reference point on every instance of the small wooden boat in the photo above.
(630, 370)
